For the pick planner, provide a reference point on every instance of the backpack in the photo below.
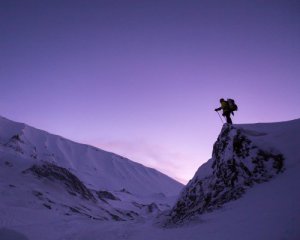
(232, 105)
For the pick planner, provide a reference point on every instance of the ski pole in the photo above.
(220, 117)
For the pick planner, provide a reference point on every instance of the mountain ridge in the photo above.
(243, 155)
(39, 196)
(84, 159)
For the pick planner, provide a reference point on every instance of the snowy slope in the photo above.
(46, 178)
(98, 169)
(243, 156)
(267, 207)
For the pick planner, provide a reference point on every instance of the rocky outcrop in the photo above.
(103, 195)
(237, 163)
(72, 183)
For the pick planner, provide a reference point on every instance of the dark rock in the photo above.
(38, 194)
(47, 206)
(116, 217)
(125, 191)
(8, 164)
(55, 173)
(237, 165)
(106, 195)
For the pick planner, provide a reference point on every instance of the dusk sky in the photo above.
(142, 78)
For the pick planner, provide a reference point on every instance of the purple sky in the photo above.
(141, 78)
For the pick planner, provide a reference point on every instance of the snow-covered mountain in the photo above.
(98, 169)
(243, 157)
(249, 189)
(40, 171)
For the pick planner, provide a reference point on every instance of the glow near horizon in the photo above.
(141, 79)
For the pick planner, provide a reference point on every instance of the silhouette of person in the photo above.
(226, 110)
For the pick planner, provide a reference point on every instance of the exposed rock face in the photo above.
(72, 183)
(106, 195)
(69, 178)
(75, 187)
(236, 164)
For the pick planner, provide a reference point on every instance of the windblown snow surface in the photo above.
(55, 189)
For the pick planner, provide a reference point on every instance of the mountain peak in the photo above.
(243, 156)
(99, 169)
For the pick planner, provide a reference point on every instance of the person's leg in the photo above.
(228, 119)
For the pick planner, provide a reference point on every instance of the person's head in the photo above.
(222, 100)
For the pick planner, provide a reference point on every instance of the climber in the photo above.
(226, 110)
